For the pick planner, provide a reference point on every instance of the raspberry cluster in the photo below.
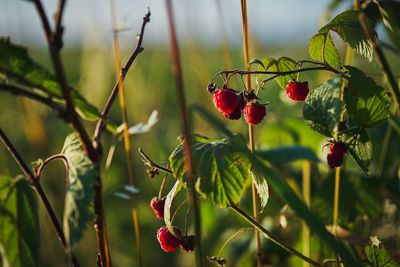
(230, 103)
(170, 242)
(337, 150)
(297, 91)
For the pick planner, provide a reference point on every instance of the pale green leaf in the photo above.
(282, 64)
(367, 102)
(19, 224)
(167, 206)
(262, 189)
(378, 256)
(221, 169)
(82, 177)
(323, 49)
(322, 108)
(348, 27)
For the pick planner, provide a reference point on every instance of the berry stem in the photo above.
(162, 186)
(246, 52)
(239, 231)
(127, 142)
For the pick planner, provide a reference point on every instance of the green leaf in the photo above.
(367, 102)
(213, 120)
(377, 255)
(359, 146)
(82, 177)
(285, 154)
(284, 191)
(257, 62)
(19, 224)
(262, 189)
(20, 68)
(322, 107)
(283, 64)
(167, 206)
(348, 27)
(221, 168)
(323, 49)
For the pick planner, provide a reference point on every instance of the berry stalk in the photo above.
(246, 51)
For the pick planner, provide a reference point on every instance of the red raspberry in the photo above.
(188, 243)
(157, 205)
(337, 150)
(235, 115)
(254, 113)
(167, 240)
(297, 91)
(225, 100)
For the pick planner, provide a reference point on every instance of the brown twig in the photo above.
(177, 71)
(381, 59)
(100, 127)
(42, 196)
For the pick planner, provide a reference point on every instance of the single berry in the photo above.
(254, 113)
(167, 240)
(225, 100)
(188, 243)
(157, 205)
(234, 115)
(297, 91)
(337, 150)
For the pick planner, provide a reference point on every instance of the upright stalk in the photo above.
(42, 196)
(246, 53)
(177, 71)
(306, 173)
(127, 143)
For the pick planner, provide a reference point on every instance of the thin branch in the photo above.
(48, 101)
(272, 237)
(100, 127)
(54, 50)
(39, 170)
(42, 195)
(59, 29)
(187, 151)
(381, 59)
(149, 162)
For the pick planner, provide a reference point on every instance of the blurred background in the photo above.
(210, 36)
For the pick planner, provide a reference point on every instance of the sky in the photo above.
(275, 21)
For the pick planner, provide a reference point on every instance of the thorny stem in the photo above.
(177, 71)
(381, 59)
(42, 196)
(255, 201)
(272, 237)
(149, 162)
(100, 126)
(127, 142)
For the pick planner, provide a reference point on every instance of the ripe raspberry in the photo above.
(157, 205)
(337, 150)
(235, 115)
(167, 240)
(297, 91)
(254, 113)
(225, 100)
(188, 243)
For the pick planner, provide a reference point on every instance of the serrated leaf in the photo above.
(360, 147)
(348, 27)
(367, 102)
(378, 256)
(168, 203)
(282, 189)
(322, 107)
(262, 189)
(221, 168)
(282, 64)
(285, 154)
(82, 177)
(19, 224)
(19, 67)
(257, 62)
(323, 49)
